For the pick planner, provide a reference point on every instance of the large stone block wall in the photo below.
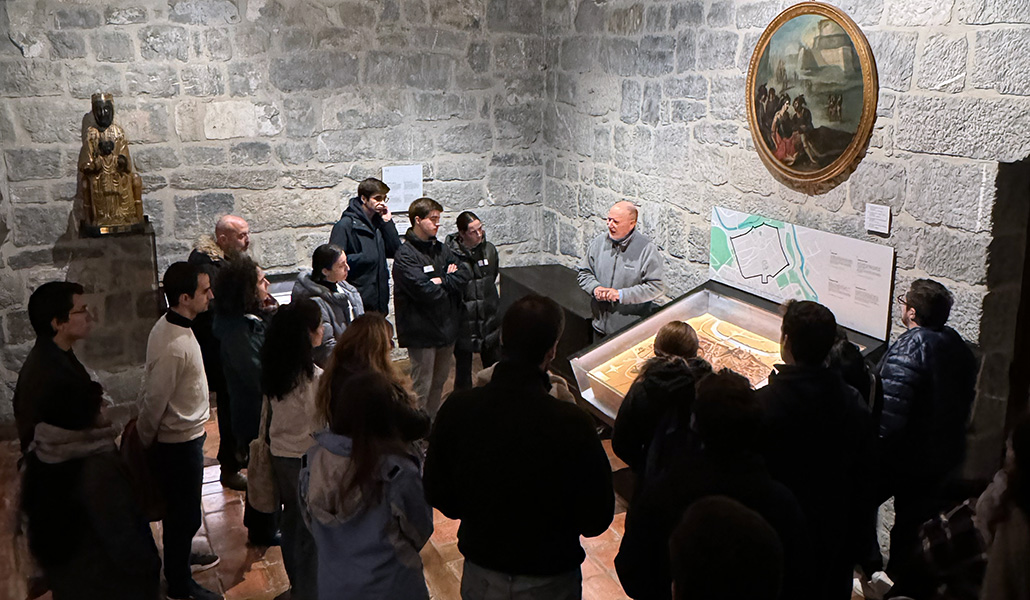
(646, 102)
(271, 109)
(537, 113)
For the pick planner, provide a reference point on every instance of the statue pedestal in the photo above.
(95, 231)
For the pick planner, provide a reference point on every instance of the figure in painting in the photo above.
(111, 189)
(813, 64)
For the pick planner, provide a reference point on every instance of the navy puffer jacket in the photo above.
(929, 380)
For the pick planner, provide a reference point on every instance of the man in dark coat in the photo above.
(480, 330)
(85, 528)
(232, 235)
(428, 282)
(929, 379)
(819, 436)
(525, 473)
(729, 421)
(368, 236)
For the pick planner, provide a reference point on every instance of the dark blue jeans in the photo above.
(180, 473)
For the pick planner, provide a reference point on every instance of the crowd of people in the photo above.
(739, 493)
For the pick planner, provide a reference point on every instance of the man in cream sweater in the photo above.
(172, 414)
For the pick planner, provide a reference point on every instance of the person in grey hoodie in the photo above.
(339, 301)
(622, 272)
(361, 491)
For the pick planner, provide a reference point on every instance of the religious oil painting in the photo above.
(811, 96)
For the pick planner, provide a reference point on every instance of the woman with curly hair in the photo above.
(239, 324)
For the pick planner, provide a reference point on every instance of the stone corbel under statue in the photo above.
(110, 188)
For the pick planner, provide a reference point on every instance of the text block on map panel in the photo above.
(781, 261)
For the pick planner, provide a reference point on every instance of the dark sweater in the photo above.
(525, 474)
(819, 437)
(643, 559)
(55, 388)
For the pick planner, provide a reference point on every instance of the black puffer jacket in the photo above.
(480, 325)
(929, 380)
(428, 314)
(367, 244)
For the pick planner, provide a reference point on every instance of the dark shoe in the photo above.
(202, 562)
(275, 540)
(194, 591)
(235, 481)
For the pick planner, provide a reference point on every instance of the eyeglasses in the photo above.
(902, 300)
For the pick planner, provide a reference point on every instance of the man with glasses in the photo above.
(368, 236)
(84, 526)
(622, 272)
(53, 386)
(428, 281)
(929, 377)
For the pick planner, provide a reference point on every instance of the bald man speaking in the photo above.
(622, 272)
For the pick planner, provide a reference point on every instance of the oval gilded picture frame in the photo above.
(811, 97)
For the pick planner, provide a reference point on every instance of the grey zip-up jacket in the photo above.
(633, 266)
(338, 308)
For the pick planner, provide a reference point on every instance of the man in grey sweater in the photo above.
(622, 272)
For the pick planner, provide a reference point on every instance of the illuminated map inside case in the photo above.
(723, 344)
(736, 330)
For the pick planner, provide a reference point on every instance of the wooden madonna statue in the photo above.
(111, 189)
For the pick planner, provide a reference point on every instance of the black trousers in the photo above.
(180, 473)
(463, 364)
(228, 458)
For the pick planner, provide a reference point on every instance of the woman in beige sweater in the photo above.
(290, 381)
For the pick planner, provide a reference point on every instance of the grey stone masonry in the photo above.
(537, 114)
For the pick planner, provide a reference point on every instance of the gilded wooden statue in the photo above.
(111, 189)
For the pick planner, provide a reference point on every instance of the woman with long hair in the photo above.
(361, 488)
(364, 346)
(239, 324)
(338, 300)
(289, 379)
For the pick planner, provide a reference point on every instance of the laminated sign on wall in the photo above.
(405, 183)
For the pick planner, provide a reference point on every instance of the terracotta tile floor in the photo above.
(247, 572)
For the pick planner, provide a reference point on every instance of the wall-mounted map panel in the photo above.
(781, 261)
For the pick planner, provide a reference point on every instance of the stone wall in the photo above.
(538, 113)
(646, 102)
(273, 110)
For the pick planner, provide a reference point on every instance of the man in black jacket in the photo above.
(368, 236)
(729, 422)
(428, 280)
(525, 473)
(929, 379)
(819, 436)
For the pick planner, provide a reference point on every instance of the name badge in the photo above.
(427, 269)
(484, 262)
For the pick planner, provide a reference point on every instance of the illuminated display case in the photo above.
(736, 329)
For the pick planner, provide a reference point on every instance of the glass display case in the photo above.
(736, 330)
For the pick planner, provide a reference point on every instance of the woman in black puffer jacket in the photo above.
(480, 324)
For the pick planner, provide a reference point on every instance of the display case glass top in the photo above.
(736, 330)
